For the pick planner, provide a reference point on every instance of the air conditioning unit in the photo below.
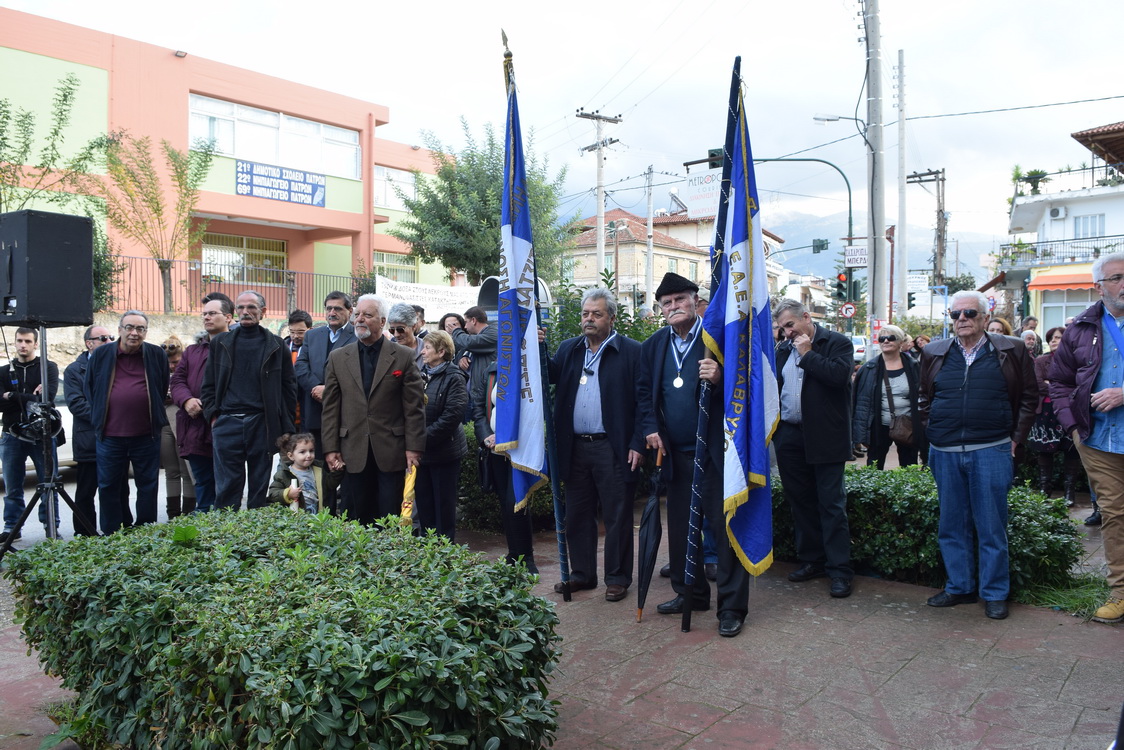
(1057, 213)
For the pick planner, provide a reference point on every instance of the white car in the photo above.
(861, 345)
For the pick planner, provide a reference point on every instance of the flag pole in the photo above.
(548, 400)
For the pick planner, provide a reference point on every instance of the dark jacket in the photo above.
(869, 389)
(275, 378)
(446, 396)
(20, 379)
(1016, 365)
(102, 368)
(82, 429)
(283, 479)
(309, 369)
(825, 399)
(482, 347)
(653, 355)
(193, 434)
(1074, 370)
(621, 408)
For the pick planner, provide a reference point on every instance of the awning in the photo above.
(1061, 281)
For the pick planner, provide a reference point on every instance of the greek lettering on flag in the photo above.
(738, 330)
(520, 427)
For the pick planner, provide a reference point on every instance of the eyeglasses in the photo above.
(1116, 278)
(399, 330)
(103, 339)
(969, 314)
(212, 313)
(887, 339)
(130, 328)
(335, 308)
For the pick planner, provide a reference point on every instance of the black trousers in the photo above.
(733, 579)
(818, 500)
(597, 480)
(880, 444)
(331, 479)
(516, 526)
(372, 494)
(435, 497)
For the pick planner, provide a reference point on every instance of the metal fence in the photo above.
(1058, 252)
(141, 286)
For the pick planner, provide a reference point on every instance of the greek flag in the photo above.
(520, 430)
(738, 330)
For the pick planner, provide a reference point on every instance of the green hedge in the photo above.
(893, 518)
(274, 629)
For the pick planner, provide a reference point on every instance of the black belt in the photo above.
(591, 438)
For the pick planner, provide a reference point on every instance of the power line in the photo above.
(1016, 109)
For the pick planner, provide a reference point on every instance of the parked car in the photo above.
(861, 345)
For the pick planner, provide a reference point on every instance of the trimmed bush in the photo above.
(269, 629)
(893, 517)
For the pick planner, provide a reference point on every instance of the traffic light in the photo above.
(911, 300)
(714, 158)
(856, 288)
(840, 287)
(818, 246)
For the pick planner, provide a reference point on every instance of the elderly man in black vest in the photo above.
(965, 383)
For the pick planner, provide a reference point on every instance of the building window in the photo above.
(609, 263)
(275, 138)
(395, 266)
(693, 270)
(1085, 227)
(1057, 305)
(673, 265)
(568, 265)
(388, 183)
(244, 260)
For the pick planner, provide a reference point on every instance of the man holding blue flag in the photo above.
(673, 364)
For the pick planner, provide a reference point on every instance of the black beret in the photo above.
(673, 282)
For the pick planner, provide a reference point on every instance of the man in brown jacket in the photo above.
(374, 415)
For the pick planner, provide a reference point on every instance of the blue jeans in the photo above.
(114, 456)
(14, 454)
(972, 488)
(203, 469)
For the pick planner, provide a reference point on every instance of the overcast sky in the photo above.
(664, 66)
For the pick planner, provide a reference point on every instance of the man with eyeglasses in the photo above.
(125, 387)
(193, 429)
(972, 439)
(250, 398)
(20, 384)
(310, 366)
(1087, 391)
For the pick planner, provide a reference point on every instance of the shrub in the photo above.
(269, 629)
(480, 510)
(893, 517)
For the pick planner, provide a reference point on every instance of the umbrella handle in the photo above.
(659, 458)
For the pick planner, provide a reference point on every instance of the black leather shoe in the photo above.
(945, 599)
(710, 570)
(1094, 519)
(807, 572)
(996, 610)
(10, 536)
(675, 607)
(665, 571)
(729, 626)
(840, 588)
(574, 586)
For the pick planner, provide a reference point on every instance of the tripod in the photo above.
(42, 429)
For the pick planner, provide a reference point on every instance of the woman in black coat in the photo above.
(446, 395)
(871, 422)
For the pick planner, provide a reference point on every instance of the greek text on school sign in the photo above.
(279, 183)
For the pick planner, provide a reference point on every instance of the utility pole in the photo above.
(937, 177)
(648, 272)
(901, 255)
(599, 119)
(879, 279)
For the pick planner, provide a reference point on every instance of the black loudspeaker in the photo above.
(46, 270)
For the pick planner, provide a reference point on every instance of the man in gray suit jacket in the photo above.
(310, 367)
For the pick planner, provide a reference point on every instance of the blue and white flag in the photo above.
(520, 426)
(738, 330)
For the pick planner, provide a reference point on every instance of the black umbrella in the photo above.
(651, 533)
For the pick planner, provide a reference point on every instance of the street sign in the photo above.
(847, 310)
(917, 282)
(854, 256)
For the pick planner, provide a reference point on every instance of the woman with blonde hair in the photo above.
(886, 403)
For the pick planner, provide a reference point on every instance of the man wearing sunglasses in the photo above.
(1087, 394)
(965, 381)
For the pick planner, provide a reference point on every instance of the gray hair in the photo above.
(601, 293)
(261, 299)
(1098, 264)
(127, 313)
(402, 313)
(977, 297)
(794, 306)
(380, 303)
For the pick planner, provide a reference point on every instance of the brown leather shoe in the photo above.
(614, 592)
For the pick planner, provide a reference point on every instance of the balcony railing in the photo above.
(1099, 175)
(140, 286)
(1057, 252)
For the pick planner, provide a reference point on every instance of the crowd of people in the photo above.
(351, 406)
